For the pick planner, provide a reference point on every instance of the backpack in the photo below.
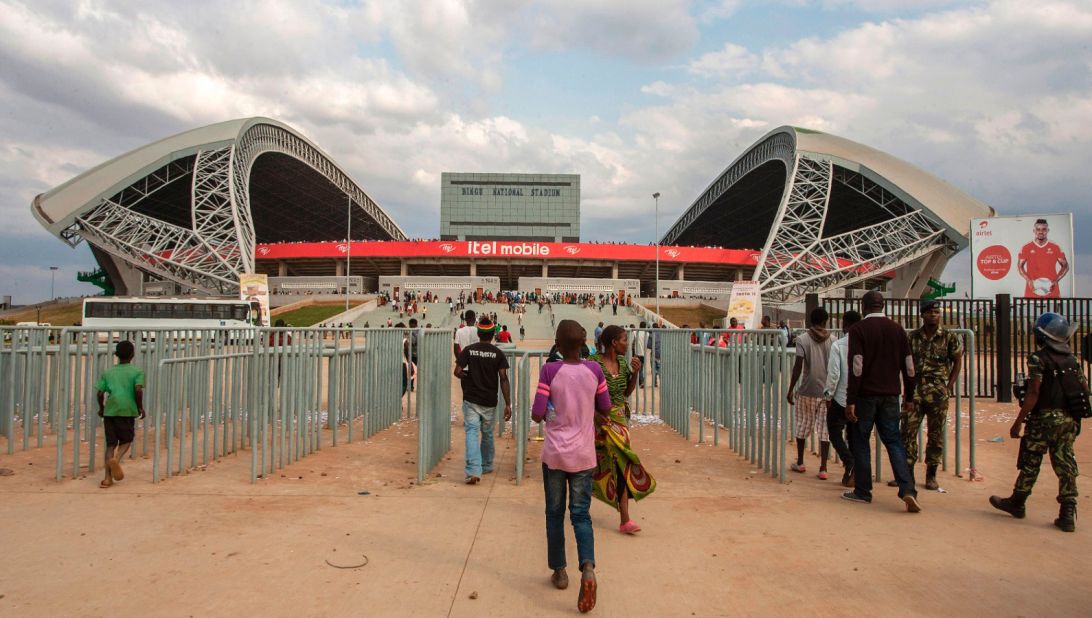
(1062, 386)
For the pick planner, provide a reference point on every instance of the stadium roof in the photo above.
(827, 211)
(191, 207)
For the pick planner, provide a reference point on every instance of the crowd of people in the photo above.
(874, 377)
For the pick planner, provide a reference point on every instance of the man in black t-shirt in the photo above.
(480, 367)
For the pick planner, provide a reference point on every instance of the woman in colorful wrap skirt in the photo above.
(619, 474)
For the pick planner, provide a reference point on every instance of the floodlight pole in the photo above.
(348, 250)
(656, 290)
(52, 279)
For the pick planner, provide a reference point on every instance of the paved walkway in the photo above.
(719, 539)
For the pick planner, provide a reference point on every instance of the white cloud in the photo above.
(720, 9)
(637, 30)
(996, 98)
(730, 61)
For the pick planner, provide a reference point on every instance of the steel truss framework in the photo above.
(220, 245)
(796, 259)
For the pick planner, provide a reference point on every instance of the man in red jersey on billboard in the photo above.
(1042, 264)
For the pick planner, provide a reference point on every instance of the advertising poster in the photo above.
(255, 288)
(745, 304)
(1026, 256)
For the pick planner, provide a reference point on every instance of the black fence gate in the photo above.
(1003, 327)
(975, 315)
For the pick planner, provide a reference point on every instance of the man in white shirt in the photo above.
(467, 335)
(838, 427)
(640, 350)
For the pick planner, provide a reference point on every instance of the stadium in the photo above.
(799, 211)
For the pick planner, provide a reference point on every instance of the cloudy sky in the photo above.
(635, 95)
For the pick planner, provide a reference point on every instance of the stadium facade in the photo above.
(800, 211)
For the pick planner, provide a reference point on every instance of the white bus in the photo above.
(175, 313)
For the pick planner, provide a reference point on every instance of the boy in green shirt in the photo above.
(125, 385)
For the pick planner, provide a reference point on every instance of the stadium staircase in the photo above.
(537, 324)
(97, 278)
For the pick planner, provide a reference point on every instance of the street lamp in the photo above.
(656, 290)
(348, 251)
(52, 280)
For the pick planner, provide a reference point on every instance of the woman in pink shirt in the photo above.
(576, 389)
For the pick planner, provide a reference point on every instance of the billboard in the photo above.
(503, 249)
(1028, 255)
(255, 288)
(745, 304)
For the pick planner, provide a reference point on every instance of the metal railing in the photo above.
(433, 400)
(735, 387)
(281, 393)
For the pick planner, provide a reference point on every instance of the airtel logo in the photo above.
(672, 252)
(263, 250)
(572, 250)
(983, 224)
(983, 230)
(447, 247)
(343, 248)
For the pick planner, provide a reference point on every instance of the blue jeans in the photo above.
(883, 413)
(579, 486)
(478, 422)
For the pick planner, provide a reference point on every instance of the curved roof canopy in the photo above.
(191, 207)
(826, 211)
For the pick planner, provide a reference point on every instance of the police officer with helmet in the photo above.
(1052, 409)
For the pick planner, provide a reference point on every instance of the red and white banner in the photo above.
(505, 249)
(1029, 255)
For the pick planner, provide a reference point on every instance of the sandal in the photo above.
(798, 468)
(630, 527)
(106, 483)
(586, 601)
(115, 469)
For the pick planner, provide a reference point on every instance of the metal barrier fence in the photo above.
(957, 313)
(1025, 311)
(433, 400)
(1003, 327)
(737, 387)
(213, 392)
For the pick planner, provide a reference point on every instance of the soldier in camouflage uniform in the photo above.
(938, 357)
(1050, 428)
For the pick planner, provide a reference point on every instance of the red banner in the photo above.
(503, 249)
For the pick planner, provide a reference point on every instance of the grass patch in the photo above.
(691, 315)
(60, 314)
(312, 314)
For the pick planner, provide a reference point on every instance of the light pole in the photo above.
(52, 280)
(656, 291)
(348, 251)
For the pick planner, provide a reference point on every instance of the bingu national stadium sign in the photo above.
(496, 249)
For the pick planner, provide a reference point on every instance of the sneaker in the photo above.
(931, 483)
(912, 505)
(847, 478)
(853, 497)
(798, 468)
(472, 480)
(822, 475)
